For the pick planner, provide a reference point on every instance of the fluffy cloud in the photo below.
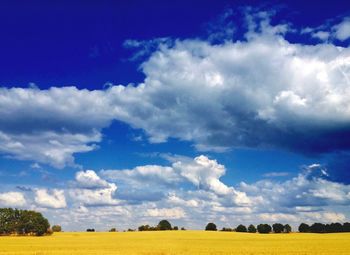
(50, 199)
(92, 190)
(170, 213)
(311, 188)
(261, 91)
(89, 179)
(49, 126)
(342, 30)
(201, 171)
(188, 199)
(12, 199)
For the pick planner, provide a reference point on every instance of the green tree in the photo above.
(113, 230)
(346, 227)
(14, 221)
(304, 228)
(277, 228)
(241, 228)
(264, 228)
(210, 227)
(176, 228)
(318, 228)
(164, 225)
(251, 229)
(287, 228)
(56, 228)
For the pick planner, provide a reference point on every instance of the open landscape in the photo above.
(176, 243)
(187, 127)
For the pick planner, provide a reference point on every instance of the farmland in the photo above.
(176, 242)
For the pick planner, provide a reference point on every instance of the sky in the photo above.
(118, 114)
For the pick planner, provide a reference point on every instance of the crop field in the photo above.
(177, 242)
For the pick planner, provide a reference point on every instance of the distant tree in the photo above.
(318, 228)
(56, 228)
(264, 228)
(287, 228)
(183, 228)
(304, 228)
(90, 230)
(241, 228)
(227, 229)
(131, 230)
(210, 227)
(113, 230)
(251, 229)
(144, 228)
(164, 225)
(334, 228)
(176, 228)
(277, 228)
(346, 227)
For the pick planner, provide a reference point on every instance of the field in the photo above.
(177, 242)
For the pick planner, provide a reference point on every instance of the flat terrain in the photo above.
(177, 242)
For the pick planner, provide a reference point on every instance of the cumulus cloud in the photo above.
(310, 188)
(12, 199)
(212, 95)
(50, 199)
(49, 126)
(92, 190)
(202, 172)
(89, 179)
(170, 213)
(342, 30)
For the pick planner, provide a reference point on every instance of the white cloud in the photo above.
(285, 89)
(89, 179)
(12, 199)
(334, 217)
(49, 126)
(92, 190)
(276, 174)
(50, 199)
(170, 213)
(201, 171)
(342, 30)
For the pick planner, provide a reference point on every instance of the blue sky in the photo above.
(225, 111)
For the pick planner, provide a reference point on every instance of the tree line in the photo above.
(162, 225)
(324, 228)
(261, 228)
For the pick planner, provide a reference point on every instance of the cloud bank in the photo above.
(260, 91)
(195, 186)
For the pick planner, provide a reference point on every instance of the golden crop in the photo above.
(177, 242)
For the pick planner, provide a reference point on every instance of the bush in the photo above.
(251, 229)
(113, 230)
(227, 229)
(241, 228)
(56, 228)
(264, 228)
(90, 230)
(210, 227)
(183, 228)
(176, 228)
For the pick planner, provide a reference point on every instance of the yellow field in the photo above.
(177, 242)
